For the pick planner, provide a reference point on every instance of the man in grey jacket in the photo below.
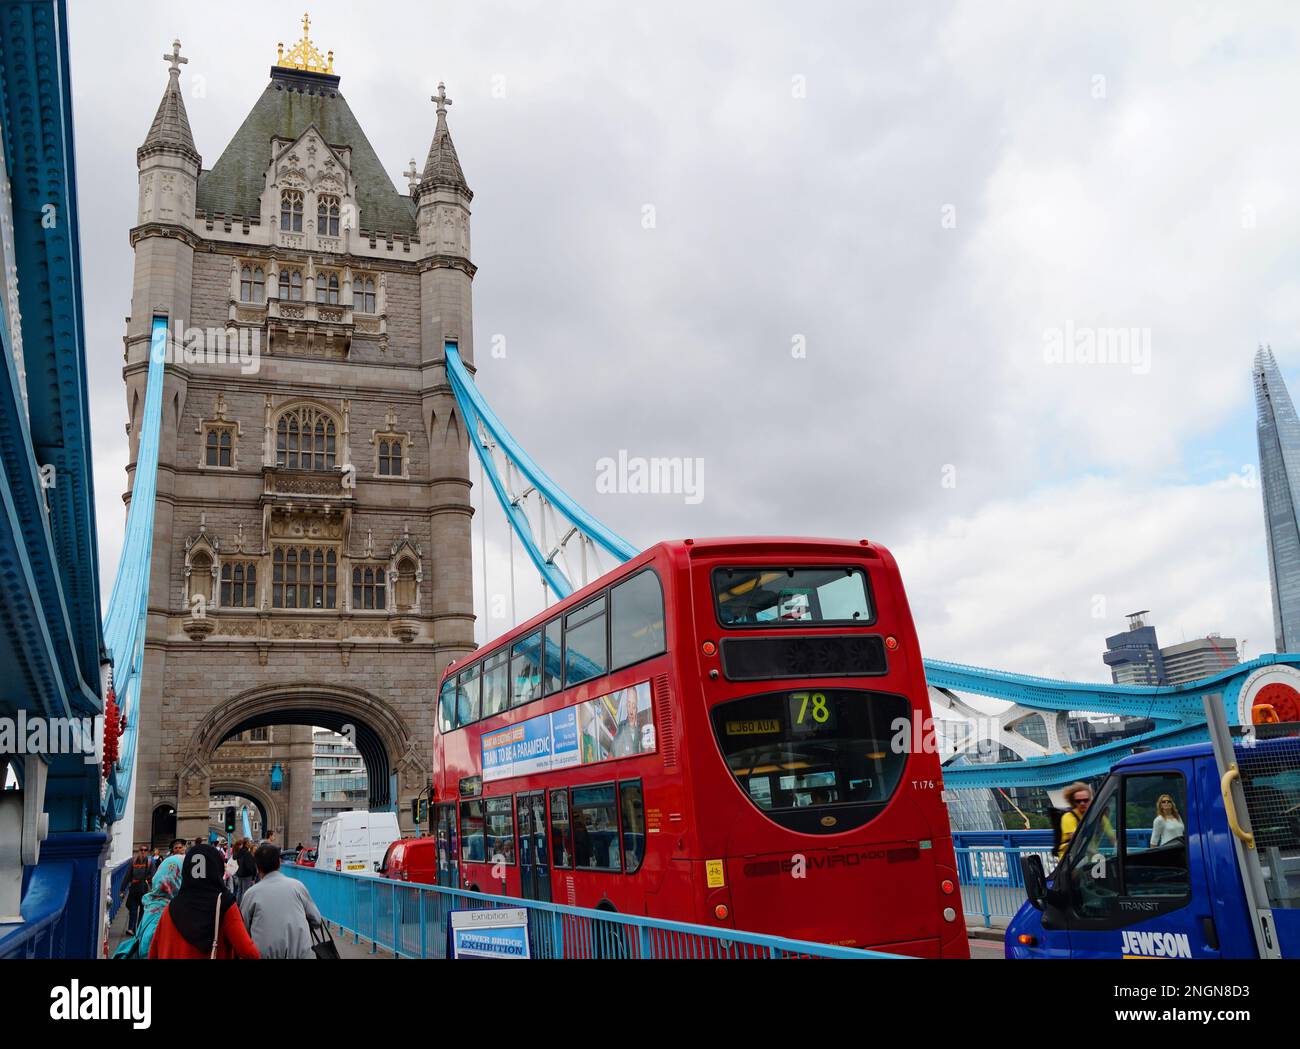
(278, 911)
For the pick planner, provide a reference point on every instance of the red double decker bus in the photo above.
(719, 732)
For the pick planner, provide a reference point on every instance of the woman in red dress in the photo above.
(202, 913)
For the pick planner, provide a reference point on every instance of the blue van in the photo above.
(1177, 859)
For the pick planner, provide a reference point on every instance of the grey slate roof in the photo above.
(171, 125)
(291, 102)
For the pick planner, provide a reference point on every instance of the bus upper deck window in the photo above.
(552, 667)
(526, 670)
(467, 697)
(636, 620)
(585, 643)
(496, 683)
(447, 705)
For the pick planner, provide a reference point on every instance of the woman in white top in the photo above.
(1168, 826)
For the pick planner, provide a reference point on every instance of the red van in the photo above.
(411, 859)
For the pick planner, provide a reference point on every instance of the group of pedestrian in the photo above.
(204, 901)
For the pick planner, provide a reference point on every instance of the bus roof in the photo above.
(739, 546)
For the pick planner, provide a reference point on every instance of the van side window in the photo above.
(1094, 856)
(472, 845)
(1155, 853)
(636, 620)
(585, 648)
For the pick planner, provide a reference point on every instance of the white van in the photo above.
(355, 842)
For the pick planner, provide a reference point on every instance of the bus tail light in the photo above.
(721, 912)
(708, 648)
(947, 886)
(891, 643)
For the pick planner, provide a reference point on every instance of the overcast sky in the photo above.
(919, 196)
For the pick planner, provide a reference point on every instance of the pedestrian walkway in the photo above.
(345, 941)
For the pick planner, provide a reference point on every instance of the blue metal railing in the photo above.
(988, 869)
(411, 920)
(43, 932)
(992, 885)
(116, 886)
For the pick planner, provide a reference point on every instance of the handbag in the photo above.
(216, 929)
(322, 944)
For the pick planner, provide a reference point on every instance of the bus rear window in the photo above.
(820, 761)
(776, 597)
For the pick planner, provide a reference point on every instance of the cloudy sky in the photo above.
(828, 252)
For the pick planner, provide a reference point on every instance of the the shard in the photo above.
(1278, 429)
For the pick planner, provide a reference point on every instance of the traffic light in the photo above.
(230, 819)
(419, 811)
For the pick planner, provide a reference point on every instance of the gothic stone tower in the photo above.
(311, 560)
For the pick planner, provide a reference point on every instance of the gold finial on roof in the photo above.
(304, 54)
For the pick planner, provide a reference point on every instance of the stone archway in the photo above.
(387, 744)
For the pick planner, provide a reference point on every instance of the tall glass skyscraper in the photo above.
(1279, 467)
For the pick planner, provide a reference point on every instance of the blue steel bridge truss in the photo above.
(562, 541)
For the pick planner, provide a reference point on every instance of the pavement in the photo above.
(986, 942)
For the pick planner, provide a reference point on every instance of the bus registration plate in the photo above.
(756, 727)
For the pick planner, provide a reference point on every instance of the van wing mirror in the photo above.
(1031, 867)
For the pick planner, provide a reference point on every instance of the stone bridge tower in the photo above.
(311, 561)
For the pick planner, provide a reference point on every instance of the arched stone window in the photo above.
(239, 584)
(304, 577)
(290, 285)
(327, 288)
(368, 588)
(406, 585)
(363, 294)
(252, 284)
(218, 446)
(291, 211)
(327, 216)
(390, 458)
(306, 439)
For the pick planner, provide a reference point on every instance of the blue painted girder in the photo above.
(128, 607)
(475, 410)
